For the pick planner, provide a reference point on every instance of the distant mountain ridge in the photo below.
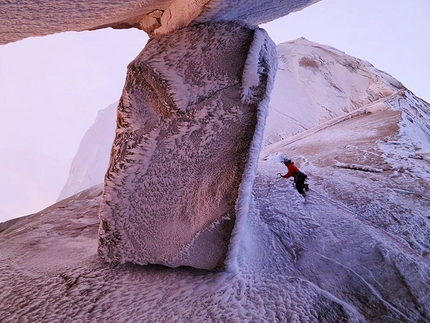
(92, 158)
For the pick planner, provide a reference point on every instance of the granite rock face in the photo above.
(190, 124)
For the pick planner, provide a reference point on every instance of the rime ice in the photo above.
(189, 130)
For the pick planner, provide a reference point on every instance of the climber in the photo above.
(299, 177)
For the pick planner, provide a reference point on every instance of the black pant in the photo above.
(299, 179)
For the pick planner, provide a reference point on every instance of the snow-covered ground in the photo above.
(356, 250)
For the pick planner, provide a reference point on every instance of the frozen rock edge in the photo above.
(189, 132)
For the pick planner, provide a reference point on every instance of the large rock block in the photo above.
(27, 18)
(189, 128)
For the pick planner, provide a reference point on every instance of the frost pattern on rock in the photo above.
(185, 138)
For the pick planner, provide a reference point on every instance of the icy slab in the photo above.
(189, 131)
(317, 83)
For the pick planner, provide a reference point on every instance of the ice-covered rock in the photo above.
(316, 83)
(189, 130)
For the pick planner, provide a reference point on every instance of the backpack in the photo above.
(300, 176)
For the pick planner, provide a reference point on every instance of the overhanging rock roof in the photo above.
(27, 18)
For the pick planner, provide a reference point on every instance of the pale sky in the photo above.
(52, 87)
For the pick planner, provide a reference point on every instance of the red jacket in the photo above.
(292, 170)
